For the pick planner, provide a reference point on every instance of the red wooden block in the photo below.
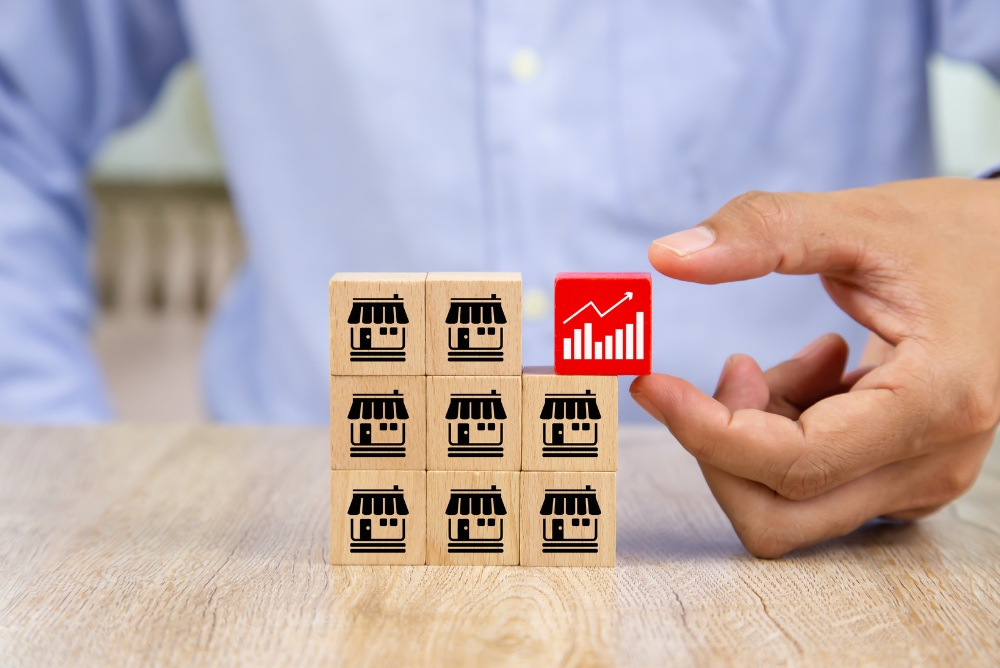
(603, 324)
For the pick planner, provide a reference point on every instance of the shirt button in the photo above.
(536, 304)
(524, 65)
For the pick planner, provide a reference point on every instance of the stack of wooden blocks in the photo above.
(443, 449)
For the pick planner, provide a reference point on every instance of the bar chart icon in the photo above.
(603, 324)
(622, 345)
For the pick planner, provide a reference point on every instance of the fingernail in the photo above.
(811, 348)
(648, 406)
(688, 242)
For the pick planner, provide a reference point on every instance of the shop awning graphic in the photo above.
(475, 502)
(475, 407)
(377, 407)
(475, 312)
(377, 312)
(378, 502)
(570, 407)
(570, 502)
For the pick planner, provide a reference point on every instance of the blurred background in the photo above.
(167, 238)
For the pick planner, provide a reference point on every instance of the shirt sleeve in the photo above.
(70, 74)
(969, 30)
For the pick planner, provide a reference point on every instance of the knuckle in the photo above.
(702, 449)
(979, 407)
(808, 476)
(768, 218)
(954, 481)
(766, 211)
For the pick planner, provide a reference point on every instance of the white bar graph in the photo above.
(638, 339)
(625, 344)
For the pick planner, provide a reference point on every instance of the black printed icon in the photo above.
(569, 427)
(475, 330)
(378, 425)
(569, 520)
(378, 520)
(475, 425)
(475, 521)
(378, 330)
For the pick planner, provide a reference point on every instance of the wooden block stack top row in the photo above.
(438, 324)
(443, 449)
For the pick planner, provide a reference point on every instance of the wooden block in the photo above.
(568, 519)
(473, 423)
(569, 423)
(378, 517)
(472, 517)
(377, 324)
(473, 324)
(603, 324)
(378, 422)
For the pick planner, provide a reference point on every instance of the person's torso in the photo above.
(536, 136)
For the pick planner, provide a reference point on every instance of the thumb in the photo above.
(759, 233)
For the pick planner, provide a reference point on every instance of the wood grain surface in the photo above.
(540, 385)
(407, 338)
(563, 509)
(369, 496)
(474, 290)
(208, 546)
(350, 450)
(445, 543)
(443, 432)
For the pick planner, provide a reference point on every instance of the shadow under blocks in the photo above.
(445, 450)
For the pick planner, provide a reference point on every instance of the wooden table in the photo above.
(207, 545)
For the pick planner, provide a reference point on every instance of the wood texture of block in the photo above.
(378, 517)
(568, 423)
(473, 423)
(472, 518)
(473, 324)
(378, 422)
(568, 519)
(377, 324)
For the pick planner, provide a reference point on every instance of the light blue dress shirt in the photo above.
(529, 135)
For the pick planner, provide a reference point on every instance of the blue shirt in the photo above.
(529, 135)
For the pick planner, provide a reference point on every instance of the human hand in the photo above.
(803, 453)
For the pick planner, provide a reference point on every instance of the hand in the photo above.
(802, 453)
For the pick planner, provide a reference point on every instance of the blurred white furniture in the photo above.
(164, 253)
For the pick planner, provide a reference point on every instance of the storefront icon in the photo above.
(475, 521)
(475, 425)
(378, 330)
(378, 425)
(475, 330)
(378, 520)
(569, 427)
(569, 520)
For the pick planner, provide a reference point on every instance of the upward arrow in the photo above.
(627, 297)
